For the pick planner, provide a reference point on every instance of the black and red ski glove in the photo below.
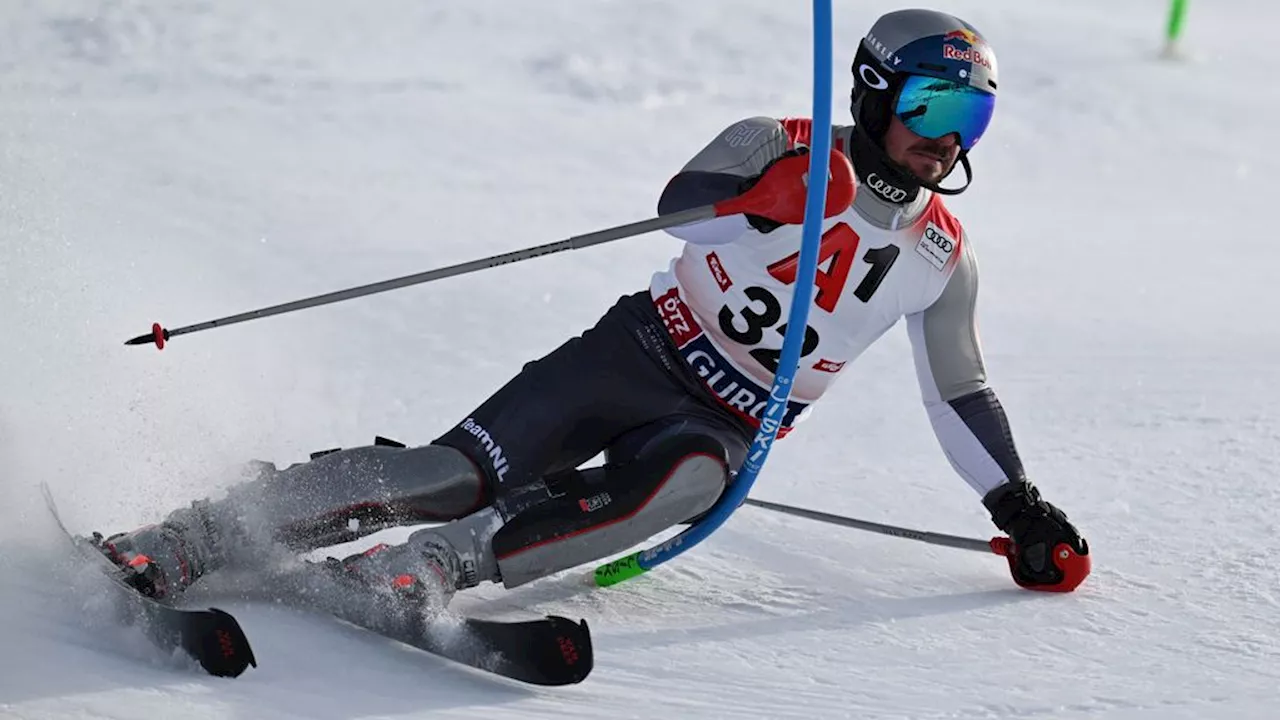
(1045, 550)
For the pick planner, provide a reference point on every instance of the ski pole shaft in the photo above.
(780, 195)
(997, 545)
(159, 335)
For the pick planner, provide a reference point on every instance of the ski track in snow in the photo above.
(188, 160)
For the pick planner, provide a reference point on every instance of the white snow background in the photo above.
(185, 160)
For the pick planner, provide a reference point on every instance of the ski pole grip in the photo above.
(1001, 546)
(780, 193)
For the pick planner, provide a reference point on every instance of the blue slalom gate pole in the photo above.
(641, 562)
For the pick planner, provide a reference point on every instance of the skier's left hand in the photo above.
(1046, 551)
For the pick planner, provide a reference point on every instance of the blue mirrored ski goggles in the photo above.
(932, 107)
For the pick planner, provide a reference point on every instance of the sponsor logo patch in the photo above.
(494, 451)
(718, 272)
(936, 246)
(733, 388)
(678, 318)
(969, 55)
(965, 36)
(828, 366)
(883, 50)
(741, 134)
(742, 395)
(892, 193)
(595, 502)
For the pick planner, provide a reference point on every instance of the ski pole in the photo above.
(998, 545)
(779, 201)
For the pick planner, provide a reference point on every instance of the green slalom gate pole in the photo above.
(1173, 28)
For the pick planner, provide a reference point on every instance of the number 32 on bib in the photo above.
(837, 252)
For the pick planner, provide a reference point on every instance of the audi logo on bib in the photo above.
(936, 246)
(892, 193)
(942, 241)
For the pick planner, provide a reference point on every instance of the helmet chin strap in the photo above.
(962, 160)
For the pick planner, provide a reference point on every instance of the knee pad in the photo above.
(604, 510)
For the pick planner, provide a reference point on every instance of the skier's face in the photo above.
(929, 160)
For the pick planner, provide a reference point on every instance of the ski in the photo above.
(551, 650)
(211, 637)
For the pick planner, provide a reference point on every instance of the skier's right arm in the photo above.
(720, 171)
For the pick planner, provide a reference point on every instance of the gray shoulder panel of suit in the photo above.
(950, 332)
(743, 149)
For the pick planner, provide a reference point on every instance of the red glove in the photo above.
(779, 193)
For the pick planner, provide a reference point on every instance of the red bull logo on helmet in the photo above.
(970, 54)
(965, 36)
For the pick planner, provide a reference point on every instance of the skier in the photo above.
(669, 384)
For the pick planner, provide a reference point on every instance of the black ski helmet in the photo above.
(920, 44)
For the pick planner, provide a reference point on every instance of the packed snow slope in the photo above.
(185, 160)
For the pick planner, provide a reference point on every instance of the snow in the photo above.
(187, 160)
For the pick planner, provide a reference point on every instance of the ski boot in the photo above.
(404, 583)
(162, 560)
(415, 581)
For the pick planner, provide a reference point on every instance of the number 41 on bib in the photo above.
(839, 246)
